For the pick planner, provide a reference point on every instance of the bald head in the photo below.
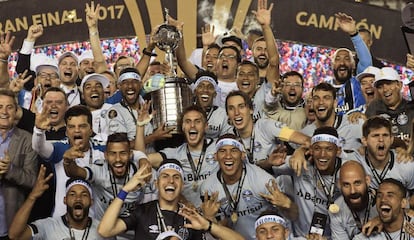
(353, 167)
(354, 184)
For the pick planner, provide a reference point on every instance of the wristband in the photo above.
(353, 35)
(151, 54)
(210, 224)
(122, 195)
(4, 60)
(93, 33)
(144, 122)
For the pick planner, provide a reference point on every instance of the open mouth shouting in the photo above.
(53, 114)
(78, 209)
(77, 140)
(385, 211)
(118, 168)
(237, 121)
(192, 135)
(343, 70)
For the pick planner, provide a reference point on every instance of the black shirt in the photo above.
(146, 224)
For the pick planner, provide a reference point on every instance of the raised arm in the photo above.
(207, 38)
(6, 43)
(144, 118)
(69, 163)
(39, 143)
(110, 224)
(264, 18)
(19, 228)
(188, 68)
(92, 22)
(198, 222)
(143, 63)
(278, 199)
(347, 24)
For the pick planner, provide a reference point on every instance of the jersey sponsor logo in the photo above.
(153, 229)
(249, 210)
(309, 197)
(190, 177)
(402, 119)
(210, 158)
(103, 113)
(247, 195)
(214, 127)
(183, 233)
(257, 147)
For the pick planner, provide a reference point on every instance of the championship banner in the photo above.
(305, 21)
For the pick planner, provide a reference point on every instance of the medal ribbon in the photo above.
(403, 234)
(367, 211)
(251, 149)
(196, 170)
(329, 192)
(380, 177)
(234, 202)
(85, 232)
(125, 105)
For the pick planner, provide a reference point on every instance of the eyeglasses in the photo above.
(295, 85)
(231, 57)
(48, 75)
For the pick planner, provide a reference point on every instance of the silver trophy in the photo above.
(167, 39)
(176, 95)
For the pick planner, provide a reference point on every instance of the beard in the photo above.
(325, 118)
(261, 64)
(78, 218)
(342, 80)
(357, 206)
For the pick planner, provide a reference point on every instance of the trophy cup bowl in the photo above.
(176, 95)
(167, 38)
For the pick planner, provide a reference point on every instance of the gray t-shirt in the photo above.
(191, 189)
(382, 235)
(343, 223)
(265, 132)
(259, 101)
(349, 133)
(403, 172)
(309, 196)
(217, 123)
(123, 119)
(57, 228)
(106, 187)
(251, 204)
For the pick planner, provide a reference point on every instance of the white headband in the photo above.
(129, 75)
(270, 219)
(79, 182)
(171, 166)
(208, 79)
(231, 142)
(326, 138)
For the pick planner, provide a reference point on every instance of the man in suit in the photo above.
(18, 164)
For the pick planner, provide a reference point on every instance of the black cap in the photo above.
(234, 39)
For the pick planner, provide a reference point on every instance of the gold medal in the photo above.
(234, 217)
(333, 208)
(195, 186)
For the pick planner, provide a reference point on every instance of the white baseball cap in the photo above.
(369, 71)
(86, 55)
(386, 74)
(43, 61)
(95, 76)
(68, 54)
